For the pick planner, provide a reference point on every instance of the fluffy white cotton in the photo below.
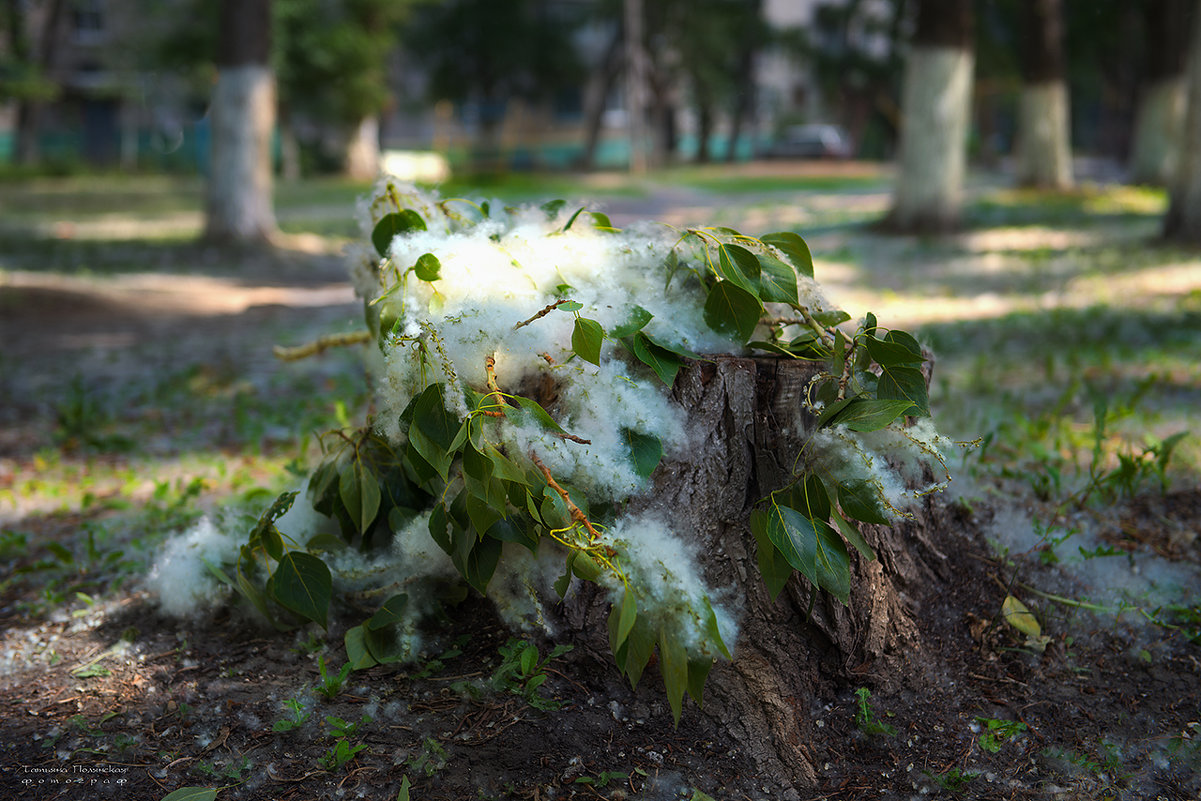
(183, 583)
(671, 588)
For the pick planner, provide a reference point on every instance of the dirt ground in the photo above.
(114, 700)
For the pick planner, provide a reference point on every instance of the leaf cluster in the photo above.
(452, 471)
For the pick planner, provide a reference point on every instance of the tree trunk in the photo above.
(1183, 220)
(1159, 123)
(783, 655)
(362, 150)
(239, 205)
(596, 95)
(1158, 131)
(1044, 154)
(936, 104)
(26, 149)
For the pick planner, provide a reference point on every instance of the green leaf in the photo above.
(357, 653)
(832, 562)
(428, 268)
(405, 786)
(273, 543)
(777, 281)
(770, 347)
(794, 536)
(773, 567)
(430, 415)
(481, 563)
(645, 451)
(864, 414)
(713, 630)
(888, 352)
(831, 317)
(586, 339)
(673, 665)
(302, 583)
(732, 311)
(740, 266)
(672, 347)
(627, 615)
(570, 306)
(360, 493)
(393, 225)
(815, 503)
(190, 794)
(664, 363)
(852, 535)
(553, 207)
(794, 249)
(528, 409)
(636, 319)
(637, 650)
(860, 499)
(390, 613)
(698, 671)
(515, 528)
(601, 221)
(901, 384)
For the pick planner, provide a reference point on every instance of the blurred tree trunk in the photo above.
(936, 103)
(1183, 220)
(38, 64)
(239, 204)
(704, 127)
(1159, 124)
(744, 97)
(362, 150)
(596, 95)
(789, 648)
(1044, 153)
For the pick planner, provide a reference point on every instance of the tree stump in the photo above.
(753, 424)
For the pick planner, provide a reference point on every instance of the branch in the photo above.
(322, 344)
(576, 515)
(540, 314)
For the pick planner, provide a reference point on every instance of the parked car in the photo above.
(812, 141)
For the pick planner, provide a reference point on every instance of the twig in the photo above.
(319, 345)
(490, 372)
(540, 314)
(576, 515)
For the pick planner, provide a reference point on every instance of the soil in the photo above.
(121, 702)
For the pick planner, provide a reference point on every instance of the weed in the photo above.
(522, 673)
(954, 780)
(435, 665)
(866, 720)
(342, 728)
(339, 754)
(998, 732)
(298, 716)
(331, 683)
(603, 779)
(433, 758)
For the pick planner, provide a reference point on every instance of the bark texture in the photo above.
(753, 424)
(936, 104)
(1183, 220)
(239, 205)
(362, 150)
(1044, 158)
(1158, 131)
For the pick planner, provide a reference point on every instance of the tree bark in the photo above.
(1159, 121)
(1044, 154)
(1183, 220)
(239, 205)
(935, 107)
(596, 95)
(29, 111)
(362, 150)
(755, 428)
(936, 103)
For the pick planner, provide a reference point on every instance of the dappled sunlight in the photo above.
(1027, 238)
